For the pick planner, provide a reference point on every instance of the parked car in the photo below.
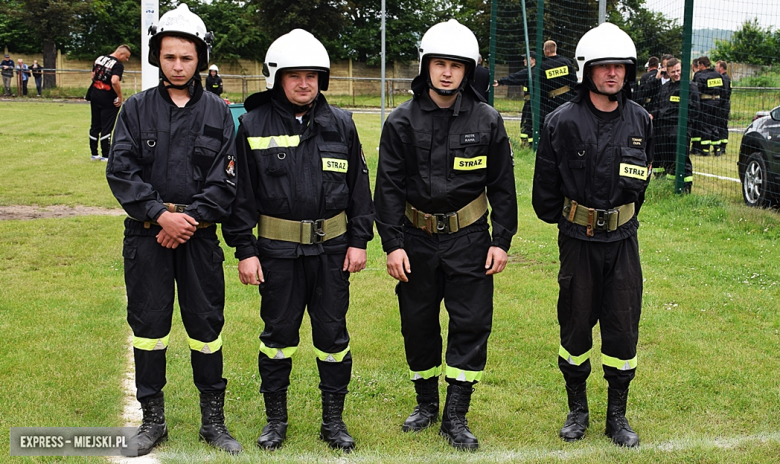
(759, 160)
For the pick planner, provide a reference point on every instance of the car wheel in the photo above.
(755, 185)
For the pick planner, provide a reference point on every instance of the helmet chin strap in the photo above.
(448, 93)
(592, 87)
(182, 86)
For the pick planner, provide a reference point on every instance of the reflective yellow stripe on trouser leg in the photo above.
(205, 347)
(331, 357)
(619, 364)
(575, 360)
(277, 353)
(461, 375)
(151, 344)
(426, 374)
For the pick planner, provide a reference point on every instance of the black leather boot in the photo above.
(275, 431)
(153, 429)
(579, 418)
(213, 430)
(333, 429)
(617, 425)
(426, 413)
(454, 426)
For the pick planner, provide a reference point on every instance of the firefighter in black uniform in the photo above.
(712, 93)
(557, 80)
(172, 168)
(105, 98)
(592, 168)
(521, 78)
(665, 111)
(307, 182)
(213, 80)
(723, 122)
(438, 155)
(646, 90)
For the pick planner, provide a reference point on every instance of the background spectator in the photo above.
(37, 73)
(8, 73)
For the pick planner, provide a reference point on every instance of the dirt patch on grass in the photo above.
(20, 212)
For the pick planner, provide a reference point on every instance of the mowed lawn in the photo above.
(706, 389)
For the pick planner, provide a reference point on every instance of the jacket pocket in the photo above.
(417, 143)
(633, 172)
(206, 149)
(273, 185)
(335, 165)
(148, 147)
(469, 154)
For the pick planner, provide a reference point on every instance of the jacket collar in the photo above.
(196, 91)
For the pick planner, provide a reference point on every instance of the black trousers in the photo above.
(665, 161)
(151, 271)
(710, 116)
(449, 268)
(101, 126)
(599, 282)
(723, 123)
(291, 286)
(526, 123)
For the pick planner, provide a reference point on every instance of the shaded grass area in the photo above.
(704, 390)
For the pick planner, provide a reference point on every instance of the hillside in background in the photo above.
(703, 40)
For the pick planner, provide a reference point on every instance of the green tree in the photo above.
(236, 31)
(323, 18)
(48, 22)
(15, 37)
(107, 25)
(405, 22)
(750, 44)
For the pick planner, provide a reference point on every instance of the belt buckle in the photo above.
(315, 233)
(443, 223)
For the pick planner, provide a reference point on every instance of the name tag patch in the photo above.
(636, 142)
(674, 98)
(469, 138)
(632, 170)
(334, 165)
(470, 164)
(557, 72)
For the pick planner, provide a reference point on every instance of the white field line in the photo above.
(132, 410)
(717, 177)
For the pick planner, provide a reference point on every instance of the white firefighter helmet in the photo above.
(298, 49)
(214, 67)
(451, 40)
(605, 44)
(181, 22)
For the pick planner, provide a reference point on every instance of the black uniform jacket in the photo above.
(214, 84)
(666, 105)
(161, 153)
(439, 160)
(584, 157)
(298, 171)
(518, 78)
(557, 72)
(710, 82)
(726, 87)
(647, 88)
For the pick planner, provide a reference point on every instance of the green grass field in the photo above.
(706, 389)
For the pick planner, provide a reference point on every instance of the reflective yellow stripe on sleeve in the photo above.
(278, 353)
(461, 375)
(331, 357)
(620, 364)
(575, 360)
(261, 143)
(151, 344)
(205, 347)
(427, 374)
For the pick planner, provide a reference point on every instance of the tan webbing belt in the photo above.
(706, 96)
(558, 92)
(173, 208)
(303, 232)
(448, 223)
(597, 219)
